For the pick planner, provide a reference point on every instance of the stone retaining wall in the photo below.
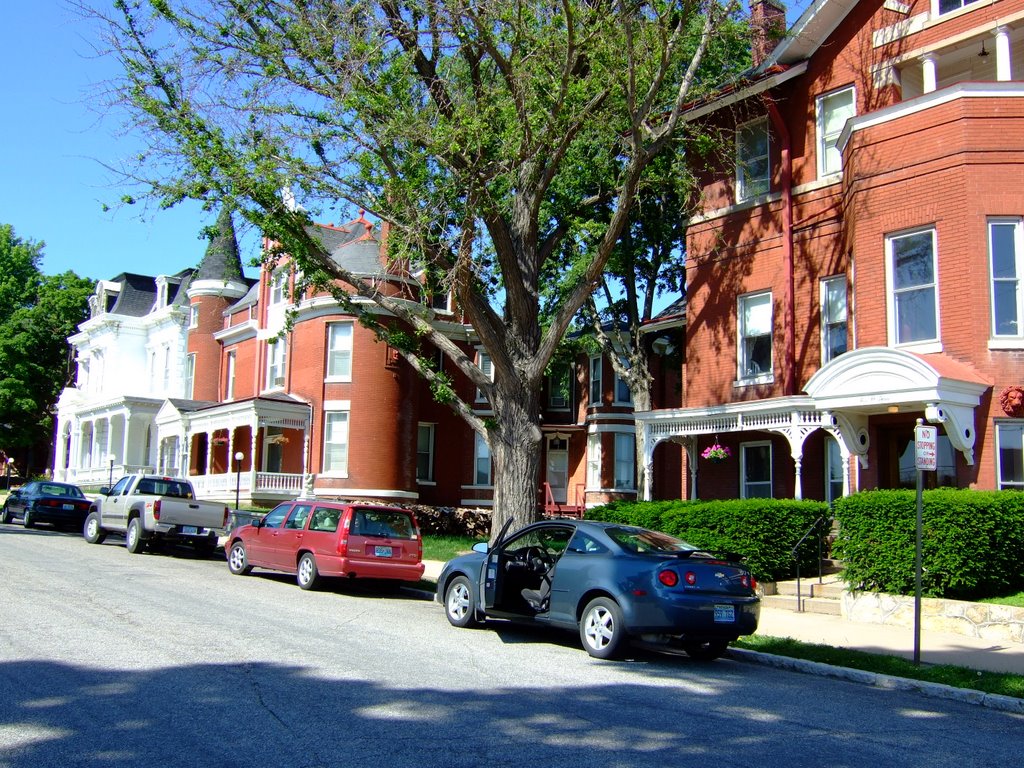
(998, 623)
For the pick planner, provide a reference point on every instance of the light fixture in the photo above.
(982, 53)
(893, 409)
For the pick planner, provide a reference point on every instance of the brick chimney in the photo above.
(767, 28)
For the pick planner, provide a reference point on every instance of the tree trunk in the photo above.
(515, 450)
(641, 402)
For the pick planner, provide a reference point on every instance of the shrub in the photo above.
(972, 546)
(763, 531)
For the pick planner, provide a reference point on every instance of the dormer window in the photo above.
(161, 292)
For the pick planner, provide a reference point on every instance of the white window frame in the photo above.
(827, 140)
(277, 357)
(555, 401)
(339, 351)
(751, 187)
(430, 430)
(193, 316)
(167, 367)
(742, 363)
(827, 321)
(336, 443)
(595, 390)
(622, 394)
(593, 461)
(965, 6)
(482, 456)
(278, 285)
(229, 381)
(625, 461)
(190, 375)
(893, 294)
(744, 482)
(1017, 280)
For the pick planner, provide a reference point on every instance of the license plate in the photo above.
(382, 551)
(189, 530)
(69, 506)
(725, 613)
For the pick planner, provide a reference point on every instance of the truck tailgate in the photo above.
(201, 514)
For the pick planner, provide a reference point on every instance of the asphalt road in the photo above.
(112, 659)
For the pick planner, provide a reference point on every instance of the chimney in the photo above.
(767, 28)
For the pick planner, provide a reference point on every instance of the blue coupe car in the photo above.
(609, 582)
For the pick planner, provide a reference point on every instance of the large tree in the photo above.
(37, 314)
(467, 126)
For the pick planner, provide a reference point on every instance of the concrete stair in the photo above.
(815, 597)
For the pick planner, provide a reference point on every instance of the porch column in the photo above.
(844, 454)
(798, 488)
(1003, 60)
(691, 459)
(929, 64)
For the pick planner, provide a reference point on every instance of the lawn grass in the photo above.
(446, 547)
(1017, 600)
(1004, 684)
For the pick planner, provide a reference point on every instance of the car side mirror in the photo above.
(257, 523)
(481, 547)
(104, 490)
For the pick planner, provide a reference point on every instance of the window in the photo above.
(833, 318)
(596, 389)
(297, 519)
(625, 461)
(278, 285)
(755, 337)
(339, 351)
(948, 6)
(558, 385)
(483, 360)
(336, 442)
(190, 375)
(622, 394)
(275, 518)
(834, 109)
(193, 316)
(756, 471)
(425, 453)
(834, 470)
(1005, 252)
(276, 354)
(594, 460)
(167, 366)
(1010, 439)
(913, 309)
(481, 462)
(752, 166)
(229, 386)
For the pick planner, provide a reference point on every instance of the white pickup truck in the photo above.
(149, 508)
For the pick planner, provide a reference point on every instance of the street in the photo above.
(113, 659)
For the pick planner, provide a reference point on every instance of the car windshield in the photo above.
(640, 540)
(55, 489)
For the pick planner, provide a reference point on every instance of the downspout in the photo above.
(788, 302)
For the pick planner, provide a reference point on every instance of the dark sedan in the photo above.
(60, 504)
(609, 582)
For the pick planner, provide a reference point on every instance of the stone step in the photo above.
(811, 589)
(821, 605)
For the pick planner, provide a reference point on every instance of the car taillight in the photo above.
(690, 578)
(156, 509)
(668, 578)
(343, 544)
(227, 514)
(748, 581)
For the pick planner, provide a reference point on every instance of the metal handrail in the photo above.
(815, 526)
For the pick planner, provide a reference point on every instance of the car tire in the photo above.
(458, 603)
(705, 650)
(133, 536)
(92, 530)
(602, 630)
(5, 514)
(238, 562)
(306, 574)
(27, 520)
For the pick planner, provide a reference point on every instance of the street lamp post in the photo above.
(10, 461)
(110, 479)
(238, 476)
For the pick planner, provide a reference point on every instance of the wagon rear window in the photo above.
(383, 523)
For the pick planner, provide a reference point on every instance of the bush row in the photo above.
(973, 542)
(763, 531)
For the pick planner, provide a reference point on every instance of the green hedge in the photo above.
(764, 531)
(973, 542)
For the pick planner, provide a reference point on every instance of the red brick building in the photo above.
(856, 258)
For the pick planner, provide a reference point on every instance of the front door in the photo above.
(558, 469)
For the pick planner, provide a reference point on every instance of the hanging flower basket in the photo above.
(277, 440)
(716, 453)
(219, 441)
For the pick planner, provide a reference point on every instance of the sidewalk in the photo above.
(936, 647)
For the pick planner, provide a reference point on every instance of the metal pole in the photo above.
(110, 479)
(917, 571)
(238, 476)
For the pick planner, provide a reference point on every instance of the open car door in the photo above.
(493, 572)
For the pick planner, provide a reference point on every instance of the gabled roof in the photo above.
(355, 246)
(809, 32)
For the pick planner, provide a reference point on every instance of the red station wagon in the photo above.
(321, 538)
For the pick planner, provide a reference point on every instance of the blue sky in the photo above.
(53, 145)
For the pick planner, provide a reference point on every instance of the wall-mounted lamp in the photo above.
(893, 409)
(982, 53)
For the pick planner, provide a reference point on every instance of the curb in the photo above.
(889, 682)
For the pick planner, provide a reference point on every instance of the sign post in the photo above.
(925, 440)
